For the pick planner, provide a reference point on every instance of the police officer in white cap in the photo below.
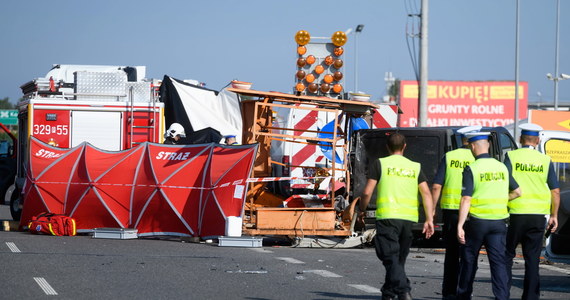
(540, 197)
(487, 189)
(231, 139)
(447, 184)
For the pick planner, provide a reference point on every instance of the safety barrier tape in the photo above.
(96, 184)
(268, 179)
(236, 182)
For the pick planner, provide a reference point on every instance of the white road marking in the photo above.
(556, 269)
(45, 286)
(323, 273)
(290, 260)
(366, 288)
(13, 247)
(261, 250)
(521, 271)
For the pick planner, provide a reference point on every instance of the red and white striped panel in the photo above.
(385, 117)
(307, 120)
(303, 154)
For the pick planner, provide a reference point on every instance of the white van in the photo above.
(556, 144)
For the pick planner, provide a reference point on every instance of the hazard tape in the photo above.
(269, 179)
(99, 184)
(236, 182)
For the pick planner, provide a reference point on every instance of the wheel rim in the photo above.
(16, 204)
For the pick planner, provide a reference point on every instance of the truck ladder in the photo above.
(132, 125)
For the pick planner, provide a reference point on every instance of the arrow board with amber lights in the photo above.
(319, 65)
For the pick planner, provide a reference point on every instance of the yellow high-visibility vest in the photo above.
(530, 170)
(491, 189)
(397, 190)
(455, 162)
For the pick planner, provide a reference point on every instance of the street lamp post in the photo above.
(556, 55)
(516, 116)
(423, 88)
(359, 28)
(557, 78)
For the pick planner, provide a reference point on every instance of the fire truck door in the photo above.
(101, 129)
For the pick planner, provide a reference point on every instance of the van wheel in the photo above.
(15, 201)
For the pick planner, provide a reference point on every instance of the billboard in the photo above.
(550, 119)
(464, 103)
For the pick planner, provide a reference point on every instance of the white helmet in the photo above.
(174, 130)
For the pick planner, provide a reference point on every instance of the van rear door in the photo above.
(426, 146)
(556, 144)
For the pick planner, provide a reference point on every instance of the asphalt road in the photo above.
(81, 267)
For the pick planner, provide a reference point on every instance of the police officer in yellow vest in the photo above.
(397, 181)
(541, 196)
(484, 199)
(447, 183)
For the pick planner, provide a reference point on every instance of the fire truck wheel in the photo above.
(15, 208)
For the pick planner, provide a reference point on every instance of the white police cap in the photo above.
(530, 129)
(467, 129)
(475, 136)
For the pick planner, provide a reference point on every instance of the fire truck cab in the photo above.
(111, 107)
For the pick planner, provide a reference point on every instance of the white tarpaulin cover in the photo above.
(207, 108)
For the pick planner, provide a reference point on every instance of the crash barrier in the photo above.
(158, 189)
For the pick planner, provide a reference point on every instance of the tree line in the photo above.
(6, 104)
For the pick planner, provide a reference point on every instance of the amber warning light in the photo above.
(319, 64)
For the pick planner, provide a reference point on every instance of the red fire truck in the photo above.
(111, 107)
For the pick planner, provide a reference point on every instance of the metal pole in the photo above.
(422, 113)
(556, 56)
(516, 116)
(356, 62)
(358, 29)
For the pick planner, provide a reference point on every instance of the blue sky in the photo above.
(252, 40)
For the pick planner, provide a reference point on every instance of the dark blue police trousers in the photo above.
(528, 230)
(451, 263)
(492, 234)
